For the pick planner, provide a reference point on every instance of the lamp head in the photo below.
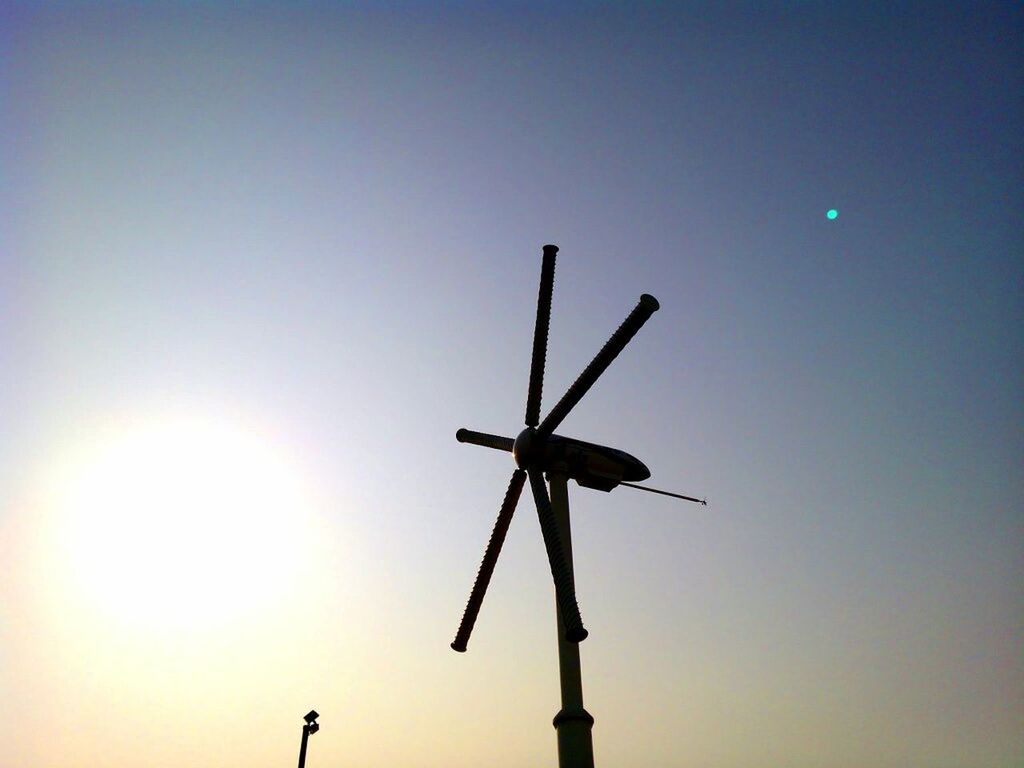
(311, 716)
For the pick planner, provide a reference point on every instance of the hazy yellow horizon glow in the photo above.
(176, 524)
(175, 560)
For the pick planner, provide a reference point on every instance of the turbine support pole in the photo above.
(573, 723)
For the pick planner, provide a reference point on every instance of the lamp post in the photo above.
(311, 726)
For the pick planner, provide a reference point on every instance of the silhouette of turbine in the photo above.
(537, 450)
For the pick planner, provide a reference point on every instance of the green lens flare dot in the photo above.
(832, 214)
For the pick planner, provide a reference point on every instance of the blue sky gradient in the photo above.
(323, 222)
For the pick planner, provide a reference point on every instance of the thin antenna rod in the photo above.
(665, 493)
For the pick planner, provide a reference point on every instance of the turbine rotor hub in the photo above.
(527, 449)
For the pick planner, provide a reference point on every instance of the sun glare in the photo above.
(181, 525)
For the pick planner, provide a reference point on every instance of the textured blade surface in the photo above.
(540, 335)
(483, 577)
(565, 592)
(647, 306)
(497, 442)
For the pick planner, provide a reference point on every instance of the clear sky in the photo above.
(258, 264)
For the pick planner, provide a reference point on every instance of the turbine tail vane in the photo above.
(664, 493)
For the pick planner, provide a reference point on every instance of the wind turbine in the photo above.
(536, 451)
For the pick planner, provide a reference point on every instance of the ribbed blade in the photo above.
(647, 306)
(540, 335)
(565, 591)
(497, 442)
(483, 577)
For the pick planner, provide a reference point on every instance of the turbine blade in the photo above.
(647, 306)
(483, 577)
(497, 442)
(565, 591)
(540, 335)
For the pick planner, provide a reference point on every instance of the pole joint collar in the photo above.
(573, 715)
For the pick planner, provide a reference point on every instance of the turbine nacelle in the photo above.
(590, 465)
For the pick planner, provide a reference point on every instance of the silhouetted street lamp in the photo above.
(311, 726)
